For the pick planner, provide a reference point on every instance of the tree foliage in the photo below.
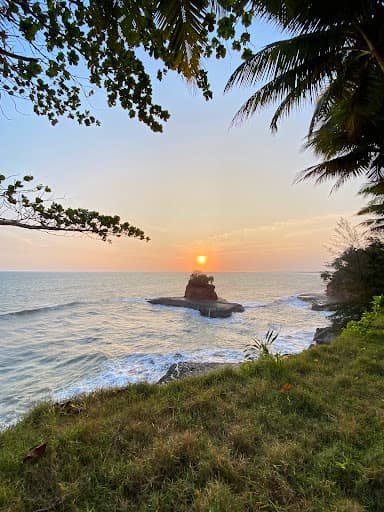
(28, 206)
(356, 277)
(46, 45)
(357, 273)
(200, 279)
(56, 53)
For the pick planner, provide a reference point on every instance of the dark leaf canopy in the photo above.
(56, 53)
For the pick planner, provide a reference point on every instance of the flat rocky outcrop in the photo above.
(211, 308)
(319, 301)
(188, 368)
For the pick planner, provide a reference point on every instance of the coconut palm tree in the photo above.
(334, 57)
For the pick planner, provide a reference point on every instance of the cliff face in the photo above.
(206, 292)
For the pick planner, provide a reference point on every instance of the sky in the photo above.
(199, 188)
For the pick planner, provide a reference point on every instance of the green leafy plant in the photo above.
(364, 325)
(43, 44)
(278, 359)
(261, 347)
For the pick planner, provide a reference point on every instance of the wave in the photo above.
(254, 305)
(41, 309)
(141, 367)
(293, 301)
(130, 300)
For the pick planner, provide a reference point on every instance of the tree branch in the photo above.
(42, 227)
(16, 56)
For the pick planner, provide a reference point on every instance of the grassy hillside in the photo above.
(303, 435)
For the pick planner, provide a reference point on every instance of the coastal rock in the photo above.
(319, 301)
(324, 336)
(188, 368)
(323, 306)
(200, 295)
(339, 292)
(213, 309)
(200, 287)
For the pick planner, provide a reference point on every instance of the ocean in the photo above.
(63, 334)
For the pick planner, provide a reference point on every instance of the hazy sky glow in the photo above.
(199, 188)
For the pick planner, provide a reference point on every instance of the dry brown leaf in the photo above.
(36, 452)
(286, 387)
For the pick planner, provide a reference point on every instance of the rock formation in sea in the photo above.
(200, 294)
(200, 287)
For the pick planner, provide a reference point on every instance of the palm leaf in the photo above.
(183, 21)
(303, 51)
(297, 70)
(342, 168)
(375, 207)
(291, 88)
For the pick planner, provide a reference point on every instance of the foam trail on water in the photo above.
(41, 309)
(135, 368)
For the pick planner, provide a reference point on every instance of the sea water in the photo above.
(62, 334)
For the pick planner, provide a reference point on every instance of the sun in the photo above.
(201, 260)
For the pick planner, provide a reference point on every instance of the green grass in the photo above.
(231, 440)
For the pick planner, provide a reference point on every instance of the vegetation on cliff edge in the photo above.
(306, 435)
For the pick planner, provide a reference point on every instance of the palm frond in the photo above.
(183, 21)
(375, 207)
(334, 89)
(290, 88)
(375, 189)
(282, 56)
(342, 168)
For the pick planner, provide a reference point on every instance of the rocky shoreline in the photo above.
(319, 301)
(183, 369)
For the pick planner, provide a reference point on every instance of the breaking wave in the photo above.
(41, 309)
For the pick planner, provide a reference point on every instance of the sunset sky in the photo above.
(200, 188)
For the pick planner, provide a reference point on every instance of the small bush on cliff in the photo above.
(199, 279)
(261, 347)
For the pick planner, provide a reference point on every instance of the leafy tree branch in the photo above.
(31, 208)
(43, 42)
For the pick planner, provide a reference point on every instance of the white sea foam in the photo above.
(253, 305)
(144, 367)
